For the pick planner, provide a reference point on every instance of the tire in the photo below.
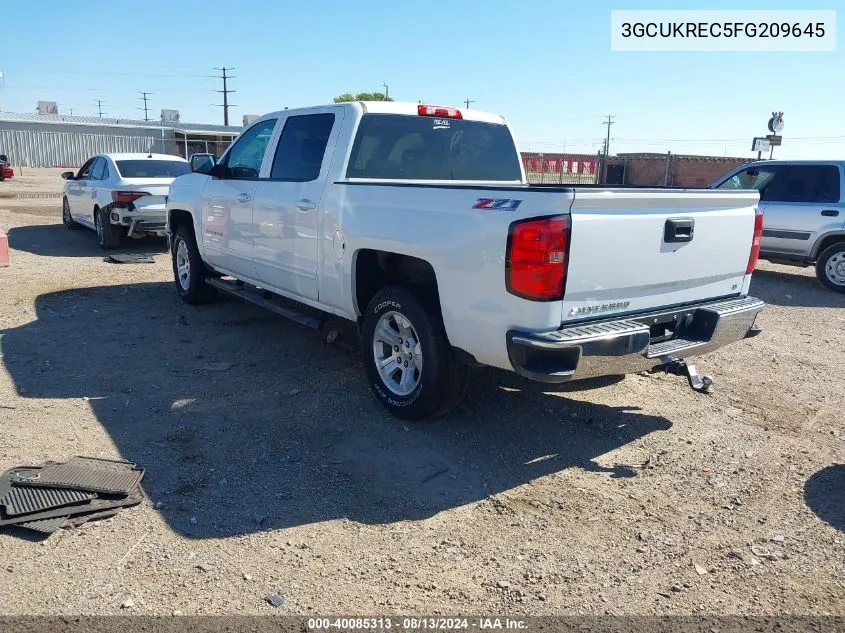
(189, 271)
(108, 237)
(67, 220)
(428, 380)
(830, 267)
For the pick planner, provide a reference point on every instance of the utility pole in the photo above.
(468, 101)
(225, 92)
(145, 98)
(608, 122)
(386, 91)
(99, 107)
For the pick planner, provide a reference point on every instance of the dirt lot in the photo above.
(271, 469)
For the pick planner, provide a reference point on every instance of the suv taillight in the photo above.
(755, 243)
(535, 265)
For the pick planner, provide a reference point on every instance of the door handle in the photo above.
(305, 205)
(678, 230)
(830, 213)
(244, 198)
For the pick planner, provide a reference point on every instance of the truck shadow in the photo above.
(824, 494)
(54, 240)
(788, 287)
(246, 422)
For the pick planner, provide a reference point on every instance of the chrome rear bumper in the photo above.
(637, 343)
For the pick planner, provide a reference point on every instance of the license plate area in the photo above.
(690, 324)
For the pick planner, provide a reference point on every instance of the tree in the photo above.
(361, 96)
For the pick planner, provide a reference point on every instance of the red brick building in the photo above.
(673, 170)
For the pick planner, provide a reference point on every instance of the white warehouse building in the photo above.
(57, 140)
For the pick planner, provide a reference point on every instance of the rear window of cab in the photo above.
(400, 147)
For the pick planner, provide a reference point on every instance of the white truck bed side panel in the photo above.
(465, 246)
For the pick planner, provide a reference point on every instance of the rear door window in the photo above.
(301, 148)
(809, 184)
(98, 170)
(389, 146)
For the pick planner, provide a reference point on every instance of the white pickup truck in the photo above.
(416, 222)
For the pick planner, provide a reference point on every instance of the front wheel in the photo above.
(830, 267)
(108, 236)
(409, 362)
(189, 270)
(67, 218)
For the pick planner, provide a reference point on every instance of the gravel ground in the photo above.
(271, 470)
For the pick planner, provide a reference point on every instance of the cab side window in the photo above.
(759, 178)
(85, 172)
(246, 155)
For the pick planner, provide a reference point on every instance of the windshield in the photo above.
(151, 168)
(428, 148)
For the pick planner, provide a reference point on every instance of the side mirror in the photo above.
(201, 163)
(68, 175)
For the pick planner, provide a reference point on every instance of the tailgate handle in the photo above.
(678, 230)
(831, 213)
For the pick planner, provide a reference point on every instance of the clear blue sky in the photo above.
(545, 64)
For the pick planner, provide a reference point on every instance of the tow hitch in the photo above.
(702, 384)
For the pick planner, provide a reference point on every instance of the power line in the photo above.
(468, 101)
(99, 107)
(83, 73)
(226, 93)
(111, 89)
(145, 108)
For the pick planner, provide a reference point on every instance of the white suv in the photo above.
(120, 195)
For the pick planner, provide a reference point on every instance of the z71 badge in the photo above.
(502, 204)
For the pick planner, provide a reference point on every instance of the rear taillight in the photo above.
(755, 243)
(127, 196)
(535, 266)
(441, 111)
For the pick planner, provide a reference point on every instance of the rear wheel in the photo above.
(108, 236)
(830, 267)
(67, 219)
(409, 362)
(189, 270)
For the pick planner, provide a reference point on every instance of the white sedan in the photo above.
(120, 195)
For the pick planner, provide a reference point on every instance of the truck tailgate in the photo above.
(623, 256)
